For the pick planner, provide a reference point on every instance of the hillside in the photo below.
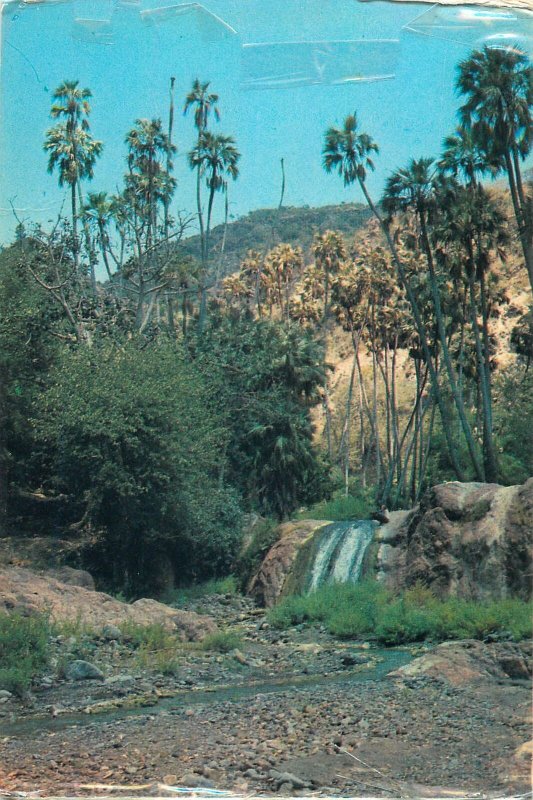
(266, 227)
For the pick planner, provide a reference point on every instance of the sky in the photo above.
(284, 70)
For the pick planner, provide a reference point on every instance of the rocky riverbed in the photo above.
(288, 713)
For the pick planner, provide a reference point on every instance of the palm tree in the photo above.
(463, 158)
(419, 188)
(498, 86)
(470, 227)
(98, 211)
(149, 180)
(349, 153)
(215, 157)
(71, 148)
(203, 103)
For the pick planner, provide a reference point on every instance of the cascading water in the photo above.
(340, 553)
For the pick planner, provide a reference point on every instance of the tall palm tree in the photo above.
(98, 211)
(202, 103)
(420, 188)
(498, 86)
(215, 157)
(349, 153)
(69, 144)
(149, 179)
(463, 157)
(470, 226)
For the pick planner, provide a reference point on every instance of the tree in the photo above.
(216, 158)
(70, 145)
(348, 151)
(498, 86)
(98, 211)
(419, 188)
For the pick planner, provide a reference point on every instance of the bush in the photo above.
(367, 610)
(23, 650)
(187, 594)
(222, 641)
(359, 504)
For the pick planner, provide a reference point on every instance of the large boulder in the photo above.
(470, 540)
(25, 592)
(268, 583)
(470, 661)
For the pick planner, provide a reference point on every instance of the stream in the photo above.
(386, 660)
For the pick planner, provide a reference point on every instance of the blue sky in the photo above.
(319, 60)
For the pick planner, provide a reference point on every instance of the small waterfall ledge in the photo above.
(340, 553)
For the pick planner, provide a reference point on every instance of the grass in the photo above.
(197, 591)
(23, 650)
(358, 505)
(222, 641)
(366, 610)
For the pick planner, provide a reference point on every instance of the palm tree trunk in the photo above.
(446, 422)
(489, 453)
(525, 240)
(457, 396)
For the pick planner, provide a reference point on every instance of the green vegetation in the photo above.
(264, 535)
(260, 230)
(145, 415)
(222, 641)
(369, 611)
(359, 504)
(23, 650)
(196, 591)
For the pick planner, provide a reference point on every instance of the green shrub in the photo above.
(265, 534)
(359, 504)
(368, 610)
(150, 637)
(222, 641)
(23, 650)
(186, 594)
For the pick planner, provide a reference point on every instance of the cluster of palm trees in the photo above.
(425, 282)
(456, 224)
(133, 232)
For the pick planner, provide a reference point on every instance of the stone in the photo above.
(26, 592)
(74, 577)
(4, 693)
(267, 584)
(197, 781)
(111, 633)
(120, 680)
(82, 670)
(464, 662)
(239, 657)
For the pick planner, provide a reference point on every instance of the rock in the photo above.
(111, 633)
(469, 540)
(120, 680)
(74, 577)
(467, 661)
(267, 585)
(170, 780)
(27, 592)
(82, 670)
(193, 780)
(291, 781)
(240, 657)
(5, 694)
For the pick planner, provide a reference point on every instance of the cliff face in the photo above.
(469, 540)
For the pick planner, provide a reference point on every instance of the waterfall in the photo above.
(340, 553)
